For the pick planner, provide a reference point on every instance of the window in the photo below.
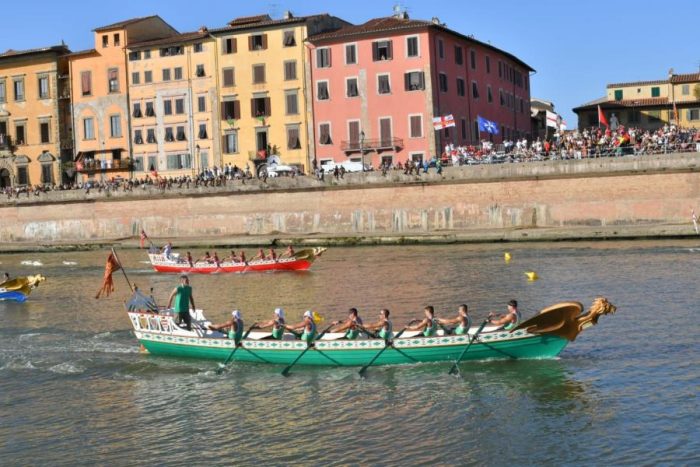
(487, 62)
(290, 70)
(460, 87)
(693, 114)
(167, 107)
(501, 97)
(260, 107)
(634, 116)
(472, 59)
(113, 80)
(258, 74)
(293, 137)
(459, 59)
(200, 71)
(116, 39)
(291, 102)
(105, 40)
(151, 136)
(288, 39)
(323, 57)
(257, 42)
(3, 91)
(137, 110)
(146, 54)
(382, 50)
(324, 134)
(230, 110)
(231, 142)
(198, 47)
(179, 161)
(351, 54)
(178, 73)
(412, 46)
(115, 126)
(46, 173)
(442, 78)
(228, 77)
(88, 128)
(354, 133)
(201, 103)
(489, 94)
(464, 128)
(134, 56)
(414, 81)
(500, 69)
(351, 89)
(415, 126)
(43, 87)
(475, 90)
(618, 94)
(18, 84)
(150, 111)
(322, 90)
(20, 134)
(385, 136)
(171, 51)
(45, 132)
(441, 49)
(22, 175)
(138, 164)
(135, 77)
(166, 74)
(147, 76)
(202, 134)
(230, 45)
(655, 91)
(152, 163)
(685, 90)
(179, 106)
(181, 134)
(383, 84)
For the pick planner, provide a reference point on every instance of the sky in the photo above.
(576, 47)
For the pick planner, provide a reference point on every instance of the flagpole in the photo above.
(114, 253)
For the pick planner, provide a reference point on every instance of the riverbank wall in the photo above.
(640, 197)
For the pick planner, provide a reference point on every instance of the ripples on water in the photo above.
(75, 391)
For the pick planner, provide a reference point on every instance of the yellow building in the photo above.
(99, 88)
(173, 101)
(34, 116)
(648, 104)
(261, 72)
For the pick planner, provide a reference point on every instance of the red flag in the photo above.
(144, 237)
(107, 282)
(601, 118)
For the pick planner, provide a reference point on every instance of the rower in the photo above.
(508, 320)
(307, 326)
(463, 321)
(234, 326)
(242, 257)
(383, 327)
(167, 250)
(277, 324)
(189, 259)
(260, 255)
(272, 256)
(205, 259)
(351, 325)
(216, 260)
(428, 324)
(233, 258)
(288, 253)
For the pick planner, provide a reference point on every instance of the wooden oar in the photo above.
(389, 343)
(285, 372)
(239, 344)
(455, 369)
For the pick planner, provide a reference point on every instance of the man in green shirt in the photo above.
(183, 299)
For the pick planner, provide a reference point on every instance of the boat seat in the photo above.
(409, 334)
(256, 336)
(333, 336)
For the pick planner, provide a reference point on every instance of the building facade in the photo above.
(375, 89)
(35, 132)
(647, 104)
(99, 97)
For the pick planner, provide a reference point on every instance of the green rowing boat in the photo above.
(543, 336)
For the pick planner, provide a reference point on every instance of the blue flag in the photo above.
(487, 125)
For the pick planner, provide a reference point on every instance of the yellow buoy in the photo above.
(532, 275)
(507, 257)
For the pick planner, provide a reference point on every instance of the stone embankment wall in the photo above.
(629, 191)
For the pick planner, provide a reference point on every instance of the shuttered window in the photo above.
(290, 70)
(416, 130)
(324, 132)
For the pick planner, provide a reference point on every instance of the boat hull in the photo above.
(262, 266)
(13, 297)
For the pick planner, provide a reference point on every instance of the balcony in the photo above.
(108, 165)
(378, 145)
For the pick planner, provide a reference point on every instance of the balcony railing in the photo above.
(380, 144)
(104, 166)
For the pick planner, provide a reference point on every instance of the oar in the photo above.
(239, 344)
(455, 369)
(389, 343)
(285, 372)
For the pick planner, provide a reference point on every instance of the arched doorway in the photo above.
(4, 178)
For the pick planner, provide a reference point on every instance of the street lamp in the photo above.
(362, 149)
(196, 159)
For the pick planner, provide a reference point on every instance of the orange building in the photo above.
(99, 91)
(34, 116)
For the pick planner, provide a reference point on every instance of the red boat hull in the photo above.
(297, 265)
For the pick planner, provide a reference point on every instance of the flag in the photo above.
(601, 118)
(440, 123)
(551, 119)
(487, 125)
(144, 237)
(107, 282)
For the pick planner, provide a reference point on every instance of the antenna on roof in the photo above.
(400, 11)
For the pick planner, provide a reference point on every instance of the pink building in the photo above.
(376, 88)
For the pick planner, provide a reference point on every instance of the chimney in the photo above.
(436, 20)
(203, 29)
(287, 14)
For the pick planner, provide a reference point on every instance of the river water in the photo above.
(74, 389)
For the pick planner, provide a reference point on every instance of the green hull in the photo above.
(518, 345)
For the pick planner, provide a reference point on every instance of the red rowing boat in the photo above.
(300, 261)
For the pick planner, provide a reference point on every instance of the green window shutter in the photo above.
(655, 92)
(618, 94)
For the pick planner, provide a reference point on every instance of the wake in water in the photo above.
(70, 263)
(28, 262)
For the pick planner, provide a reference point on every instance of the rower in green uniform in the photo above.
(428, 324)
(232, 327)
(462, 321)
(307, 328)
(508, 320)
(182, 295)
(383, 327)
(277, 324)
(351, 325)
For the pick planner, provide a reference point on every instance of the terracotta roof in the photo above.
(125, 23)
(637, 83)
(605, 103)
(686, 78)
(249, 19)
(233, 26)
(177, 39)
(82, 52)
(59, 49)
(395, 24)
